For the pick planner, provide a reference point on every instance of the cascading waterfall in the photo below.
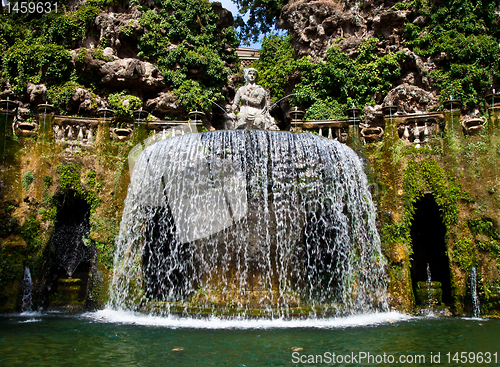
(248, 222)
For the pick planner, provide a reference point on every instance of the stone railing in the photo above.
(419, 128)
(75, 133)
(331, 129)
(83, 134)
(78, 134)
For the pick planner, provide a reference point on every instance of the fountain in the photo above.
(45, 123)
(8, 112)
(391, 127)
(250, 223)
(105, 117)
(452, 115)
(429, 294)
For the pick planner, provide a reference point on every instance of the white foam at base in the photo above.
(172, 321)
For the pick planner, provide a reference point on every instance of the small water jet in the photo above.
(476, 310)
(27, 291)
(248, 222)
(8, 112)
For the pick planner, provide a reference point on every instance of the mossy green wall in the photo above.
(461, 174)
(33, 185)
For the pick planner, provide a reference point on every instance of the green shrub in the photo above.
(466, 32)
(37, 63)
(327, 88)
(124, 104)
(28, 179)
(60, 95)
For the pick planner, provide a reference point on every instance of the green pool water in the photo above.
(110, 338)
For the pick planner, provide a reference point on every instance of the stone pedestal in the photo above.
(68, 291)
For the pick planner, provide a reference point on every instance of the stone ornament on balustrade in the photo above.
(416, 132)
(123, 132)
(25, 129)
(474, 126)
(371, 134)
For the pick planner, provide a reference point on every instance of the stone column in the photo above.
(354, 119)
(45, 123)
(105, 116)
(391, 135)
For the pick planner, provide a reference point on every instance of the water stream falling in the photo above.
(27, 291)
(248, 222)
(476, 311)
(5, 132)
(428, 284)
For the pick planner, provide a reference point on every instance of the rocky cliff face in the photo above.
(122, 47)
(319, 24)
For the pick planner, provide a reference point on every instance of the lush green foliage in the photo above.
(327, 88)
(419, 178)
(124, 104)
(60, 95)
(35, 62)
(463, 36)
(181, 37)
(195, 64)
(69, 178)
(263, 15)
(28, 179)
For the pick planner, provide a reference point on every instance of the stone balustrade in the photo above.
(78, 134)
(419, 128)
(75, 133)
(331, 129)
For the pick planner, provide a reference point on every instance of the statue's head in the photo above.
(250, 73)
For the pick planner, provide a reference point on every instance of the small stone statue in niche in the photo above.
(252, 101)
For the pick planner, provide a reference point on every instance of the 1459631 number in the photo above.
(472, 357)
(24, 7)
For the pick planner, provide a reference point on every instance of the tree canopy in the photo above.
(263, 15)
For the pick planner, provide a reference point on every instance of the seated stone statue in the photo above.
(252, 102)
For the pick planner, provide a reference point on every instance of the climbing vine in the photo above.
(70, 178)
(462, 37)
(420, 177)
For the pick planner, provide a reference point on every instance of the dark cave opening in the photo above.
(71, 250)
(429, 247)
